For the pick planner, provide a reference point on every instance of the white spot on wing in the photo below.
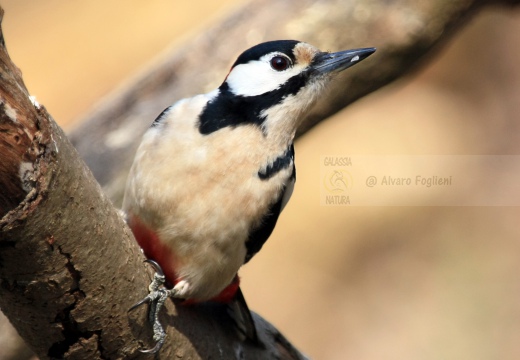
(355, 58)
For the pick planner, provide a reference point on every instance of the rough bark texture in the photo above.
(69, 266)
(58, 257)
(402, 30)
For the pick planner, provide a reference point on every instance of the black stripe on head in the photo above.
(228, 109)
(256, 52)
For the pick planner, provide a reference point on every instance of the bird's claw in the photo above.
(153, 288)
(156, 299)
(147, 299)
(155, 266)
(155, 349)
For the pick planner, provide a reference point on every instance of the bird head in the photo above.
(273, 83)
(287, 66)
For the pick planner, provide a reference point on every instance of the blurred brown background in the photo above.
(340, 282)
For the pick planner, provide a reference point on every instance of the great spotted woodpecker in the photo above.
(214, 171)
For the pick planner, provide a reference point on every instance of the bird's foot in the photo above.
(156, 298)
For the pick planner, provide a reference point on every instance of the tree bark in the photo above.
(69, 266)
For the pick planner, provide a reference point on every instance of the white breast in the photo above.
(201, 193)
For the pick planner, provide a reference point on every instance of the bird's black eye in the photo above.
(280, 63)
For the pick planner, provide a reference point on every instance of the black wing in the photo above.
(259, 236)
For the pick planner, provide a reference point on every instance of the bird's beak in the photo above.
(324, 62)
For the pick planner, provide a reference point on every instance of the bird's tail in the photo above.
(239, 312)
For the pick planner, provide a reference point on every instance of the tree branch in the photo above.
(69, 266)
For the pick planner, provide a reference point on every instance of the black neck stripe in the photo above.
(281, 162)
(228, 109)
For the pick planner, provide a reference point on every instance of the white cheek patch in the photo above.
(258, 77)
